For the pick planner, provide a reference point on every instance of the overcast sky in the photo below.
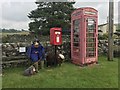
(13, 13)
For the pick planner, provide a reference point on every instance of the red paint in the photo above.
(84, 34)
(56, 36)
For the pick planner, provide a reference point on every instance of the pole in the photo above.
(55, 59)
(110, 31)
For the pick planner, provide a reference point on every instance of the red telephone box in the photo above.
(84, 36)
(56, 36)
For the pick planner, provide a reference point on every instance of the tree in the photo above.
(50, 14)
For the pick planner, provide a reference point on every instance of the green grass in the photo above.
(104, 75)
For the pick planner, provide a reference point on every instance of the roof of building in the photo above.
(106, 24)
(102, 24)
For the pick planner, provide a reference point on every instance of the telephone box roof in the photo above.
(85, 8)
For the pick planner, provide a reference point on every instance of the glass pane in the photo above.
(91, 25)
(76, 28)
(76, 44)
(90, 49)
(76, 38)
(90, 52)
(90, 39)
(90, 44)
(90, 34)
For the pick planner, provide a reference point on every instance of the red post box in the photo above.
(56, 36)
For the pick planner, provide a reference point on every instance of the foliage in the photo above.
(100, 37)
(118, 30)
(50, 14)
(118, 27)
(105, 36)
(11, 30)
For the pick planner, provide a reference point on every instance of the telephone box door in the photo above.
(76, 43)
(91, 40)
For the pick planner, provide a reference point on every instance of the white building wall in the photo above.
(104, 29)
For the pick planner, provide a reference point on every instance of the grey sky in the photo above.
(14, 13)
(119, 12)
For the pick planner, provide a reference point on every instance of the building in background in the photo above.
(103, 28)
